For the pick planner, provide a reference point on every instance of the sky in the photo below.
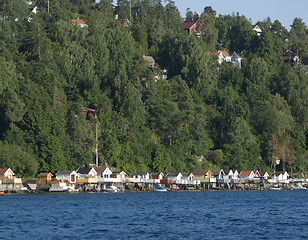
(283, 10)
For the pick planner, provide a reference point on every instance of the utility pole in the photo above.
(96, 139)
(130, 13)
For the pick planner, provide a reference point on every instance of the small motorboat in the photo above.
(160, 189)
(112, 189)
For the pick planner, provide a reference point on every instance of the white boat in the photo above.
(112, 189)
(275, 188)
(300, 187)
(160, 189)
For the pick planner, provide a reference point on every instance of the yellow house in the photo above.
(44, 178)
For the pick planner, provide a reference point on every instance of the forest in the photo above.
(202, 115)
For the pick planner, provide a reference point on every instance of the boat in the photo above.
(112, 189)
(160, 189)
(275, 188)
(299, 187)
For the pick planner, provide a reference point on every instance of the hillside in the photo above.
(70, 54)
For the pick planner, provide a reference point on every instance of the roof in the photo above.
(186, 25)
(186, 174)
(215, 171)
(213, 53)
(156, 174)
(199, 172)
(149, 59)
(79, 21)
(44, 174)
(245, 173)
(172, 174)
(225, 53)
(64, 172)
(3, 170)
(84, 170)
(100, 170)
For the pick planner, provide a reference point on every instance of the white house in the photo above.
(85, 173)
(257, 29)
(265, 175)
(236, 59)
(70, 176)
(157, 175)
(6, 174)
(187, 176)
(141, 177)
(120, 176)
(247, 175)
(174, 176)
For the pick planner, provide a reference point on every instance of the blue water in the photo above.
(171, 215)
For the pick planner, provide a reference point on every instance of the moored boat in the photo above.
(112, 189)
(160, 189)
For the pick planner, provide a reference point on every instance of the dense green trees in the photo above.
(204, 114)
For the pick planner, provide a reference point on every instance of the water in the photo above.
(171, 215)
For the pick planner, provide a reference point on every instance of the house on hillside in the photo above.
(224, 56)
(236, 59)
(82, 23)
(192, 27)
(257, 29)
(70, 176)
(150, 60)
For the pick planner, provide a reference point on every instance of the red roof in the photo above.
(226, 53)
(215, 171)
(3, 170)
(245, 173)
(100, 170)
(186, 25)
(213, 53)
(79, 21)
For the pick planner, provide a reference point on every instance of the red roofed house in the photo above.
(82, 23)
(157, 175)
(247, 174)
(224, 56)
(103, 172)
(192, 27)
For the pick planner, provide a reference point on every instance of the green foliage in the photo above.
(203, 115)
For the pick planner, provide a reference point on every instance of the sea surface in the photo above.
(167, 215)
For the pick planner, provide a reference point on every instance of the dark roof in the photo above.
(199, 172)
(186, 174)
(84, 170)
(44, 174)
(100, 170)
(186, 25)
(215, 171)
(172, 174)
(156, 173)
